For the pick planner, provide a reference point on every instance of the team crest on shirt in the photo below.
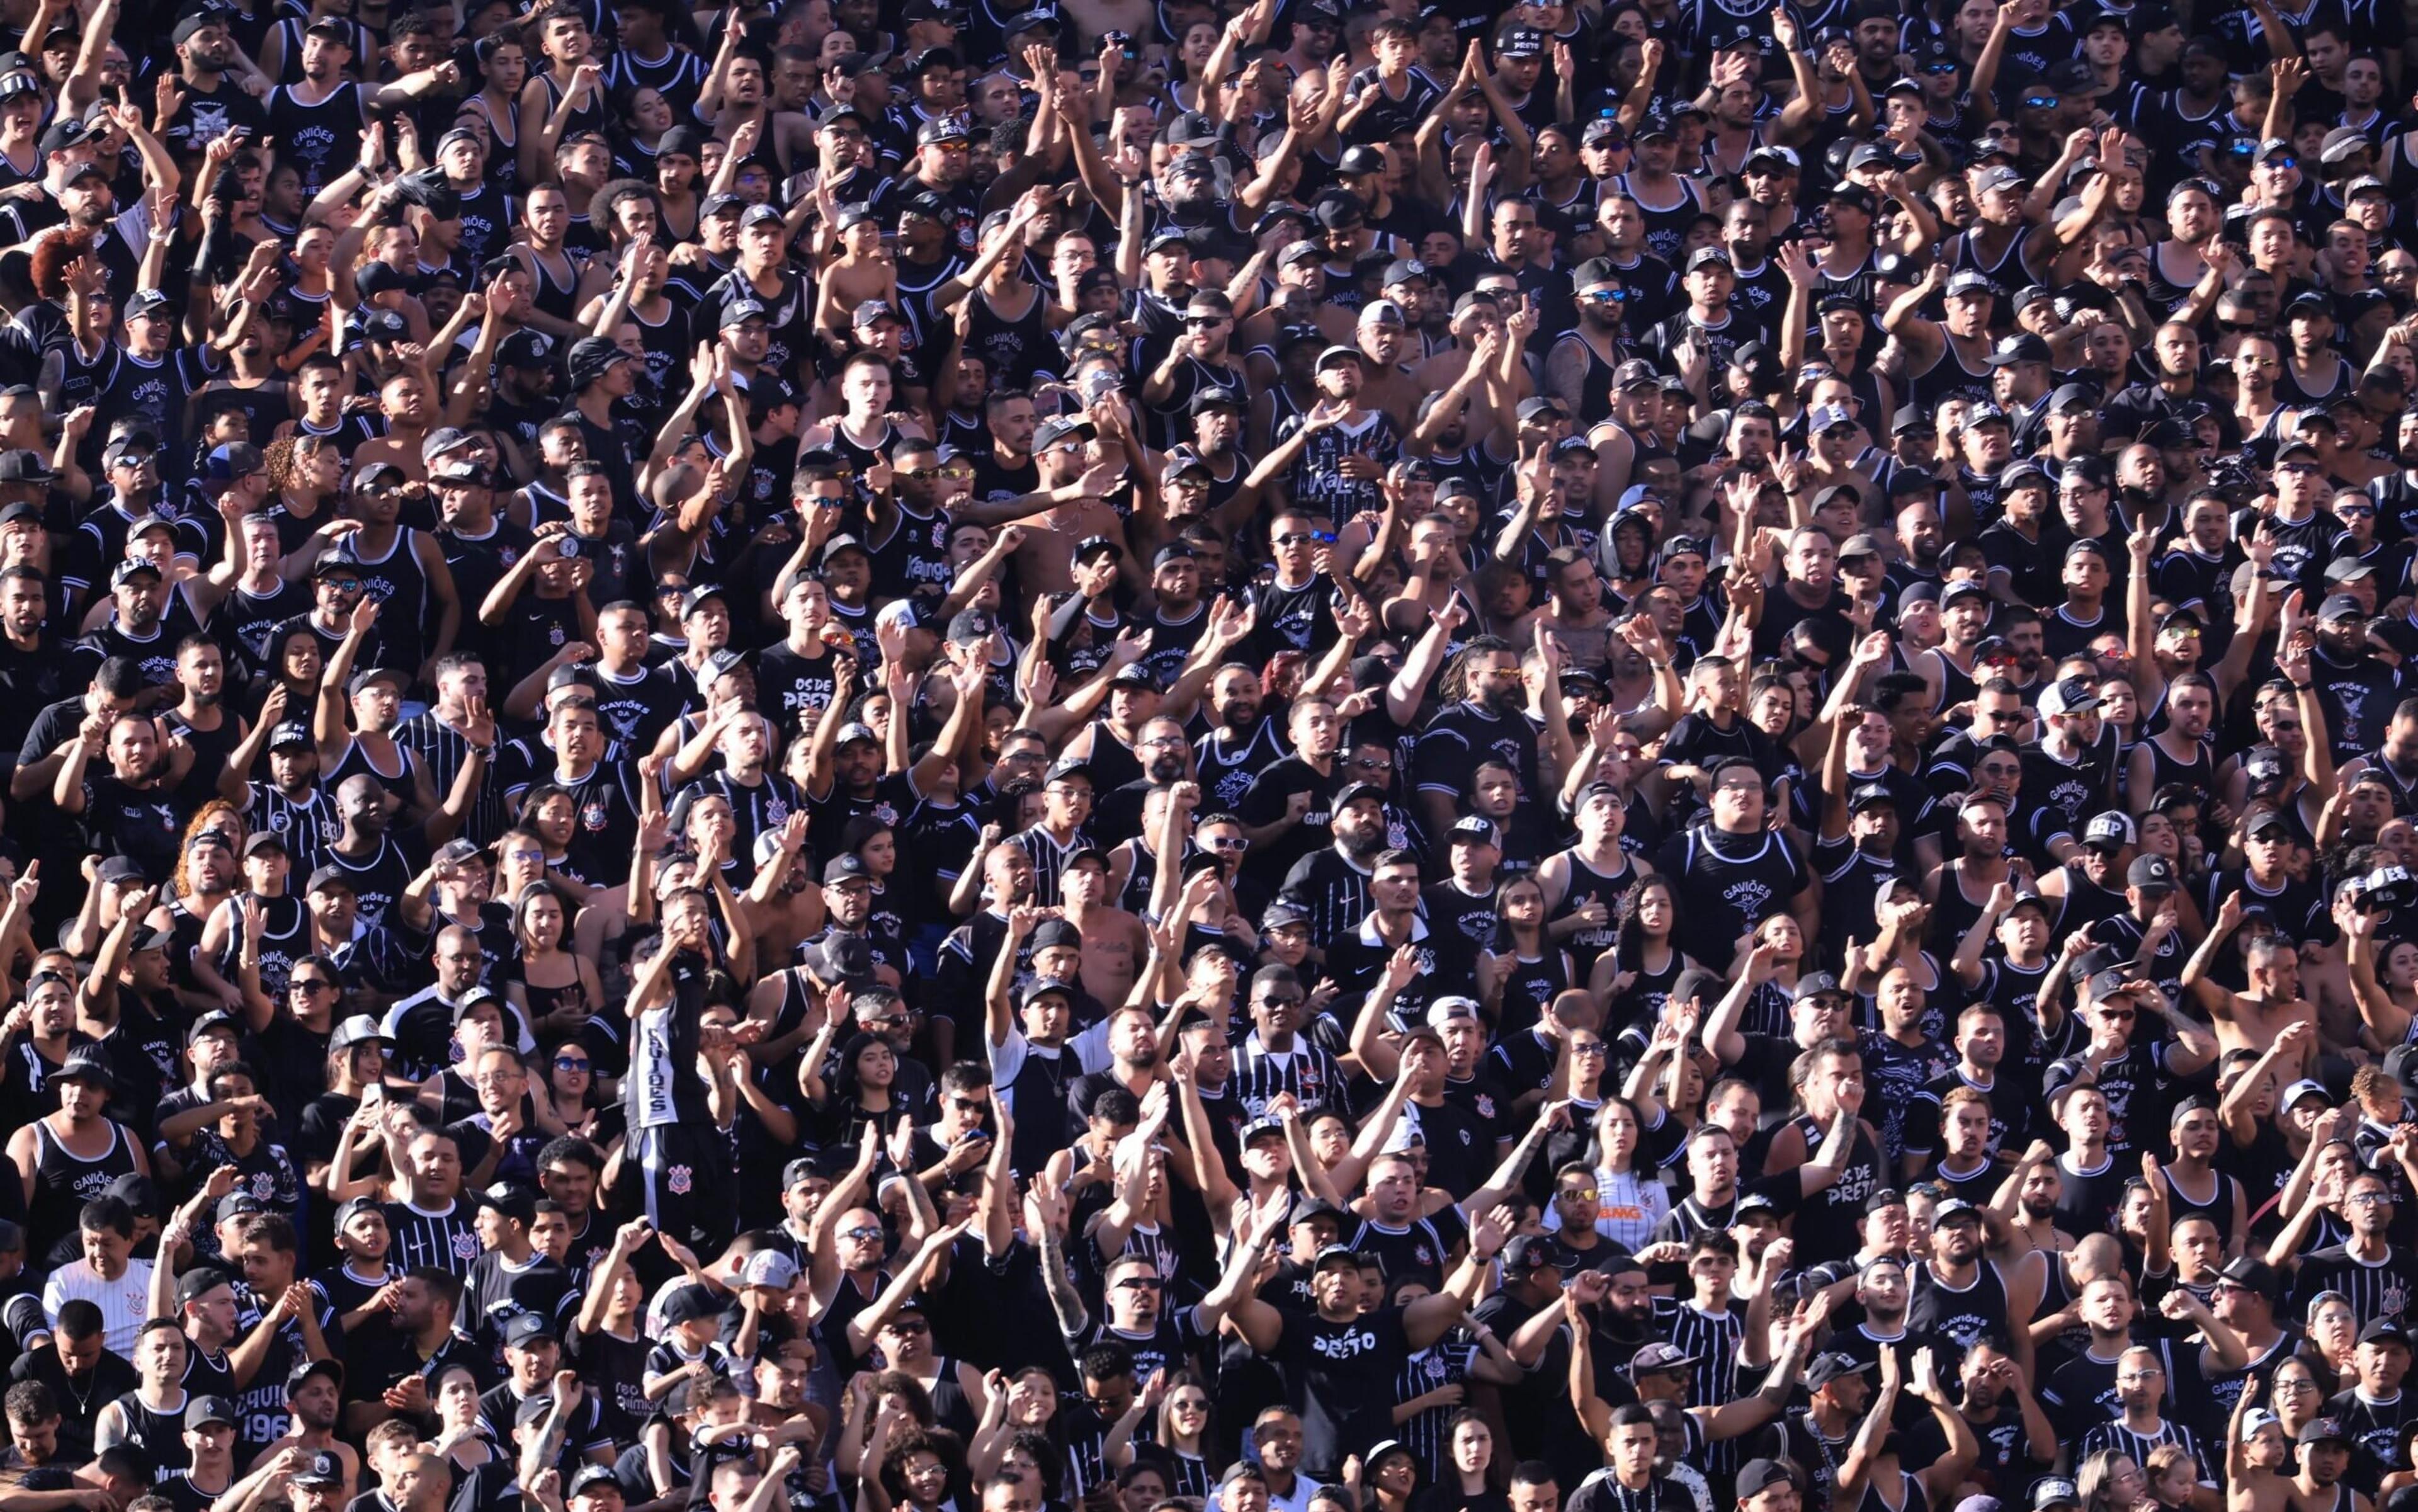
(280, 819)
(886, 813)
(263, 1185)
(554, 634)
(1485, 1105)
(592, 815)
(680, 1179)
(1433, 1365)
(776, 812)
(1423, 1254)
(465, 1245)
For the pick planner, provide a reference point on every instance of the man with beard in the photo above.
(201, 719)
(1202, 358)
(1809, 590)
(1489, 722)
(1243, 736)
(1957, 1291)
(2016, 1441)
(1178, 618)
(1708, 329)
(127, 810)
(1331, 884)
(1166, 760)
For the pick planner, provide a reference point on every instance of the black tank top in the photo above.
(1963, 1314)
(1595, 391)
(1953, 913)
(64, 1182)
(556, 296)
(1948, 378)
(589, 116)
(1956, 685)
(400, 585)
(1586, 883)
(357, 763)
(159, 1435)
(2086, 903)
(1531, 989)
(2217, 1210)
(1018, 351)
(2197, 775)
(859, 455)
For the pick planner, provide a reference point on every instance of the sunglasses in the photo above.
(862, 1231)
(2040, 102)
(2281, 162)
(571, 1062)
(343, 584)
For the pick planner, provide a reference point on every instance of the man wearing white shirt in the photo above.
(107, 1275)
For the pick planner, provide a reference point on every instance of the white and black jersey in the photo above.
(1306, 1071)
(442, 751)
(307, 823)
(1711, 1339)
(2137, 1447)
(1050, 859)
(1333, 889)
(2378, 1289)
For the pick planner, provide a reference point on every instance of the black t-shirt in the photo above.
(1343, 1376)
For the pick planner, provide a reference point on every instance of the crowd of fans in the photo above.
(1148, 755)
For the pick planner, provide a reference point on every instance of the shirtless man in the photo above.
(2251, 1020)
(1115, 943)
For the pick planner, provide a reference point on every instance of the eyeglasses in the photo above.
(2372, 1199)
(524, 853)
(1228, 842)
